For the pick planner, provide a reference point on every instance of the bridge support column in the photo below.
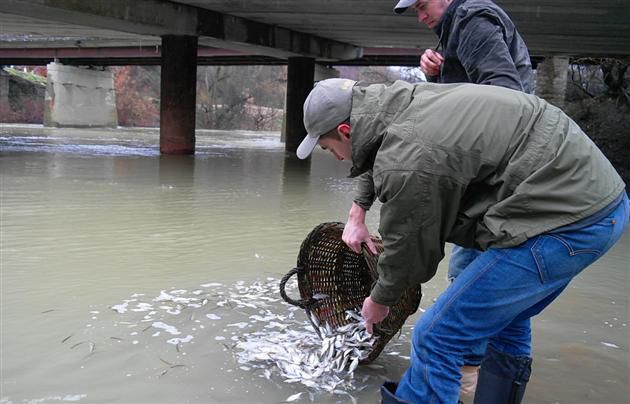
(79, 97)
(299, 83)
(178, 90)
(4, 89)
(551, 79)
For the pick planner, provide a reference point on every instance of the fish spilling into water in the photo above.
(262, 335)
(322, 362)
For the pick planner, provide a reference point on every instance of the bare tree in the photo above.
(240, 97)
(593, 77)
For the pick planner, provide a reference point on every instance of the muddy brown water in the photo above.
(105, 244)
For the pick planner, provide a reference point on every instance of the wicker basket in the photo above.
(327, 267)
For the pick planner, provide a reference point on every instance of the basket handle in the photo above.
(299, 303)
(370, 259)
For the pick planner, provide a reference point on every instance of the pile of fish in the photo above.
(323, 362)
(263, 335)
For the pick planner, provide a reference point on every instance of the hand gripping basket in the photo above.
(332, 279)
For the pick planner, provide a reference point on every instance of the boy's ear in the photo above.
(344, 129)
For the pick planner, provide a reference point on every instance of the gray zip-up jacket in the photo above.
(479, 166)
(481, 45)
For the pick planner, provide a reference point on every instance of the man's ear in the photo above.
(344, 129)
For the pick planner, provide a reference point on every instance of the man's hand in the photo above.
(373, 313)
(356, 232)
(430, 62)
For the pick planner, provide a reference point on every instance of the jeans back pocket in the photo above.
(561, 258)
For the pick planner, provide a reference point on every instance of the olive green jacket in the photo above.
(479, 166)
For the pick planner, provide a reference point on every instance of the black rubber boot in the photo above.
(502, 378)
(388, 394)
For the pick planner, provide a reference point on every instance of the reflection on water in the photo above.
(95, 220)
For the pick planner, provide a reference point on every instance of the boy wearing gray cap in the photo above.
(482, 167)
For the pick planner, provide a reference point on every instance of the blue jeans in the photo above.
(460, 259)
(493, 300)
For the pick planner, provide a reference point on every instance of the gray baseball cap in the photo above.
(403, 5)
(328, 105)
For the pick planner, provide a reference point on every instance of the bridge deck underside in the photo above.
(564, 27)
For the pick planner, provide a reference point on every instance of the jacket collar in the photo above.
(443, 26)
(374, 109)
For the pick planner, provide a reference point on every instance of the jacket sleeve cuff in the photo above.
(364, 203)
(384, 296)
(365, 191)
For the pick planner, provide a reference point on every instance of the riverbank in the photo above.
(608, 124)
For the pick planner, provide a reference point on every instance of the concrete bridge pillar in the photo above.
(79, 97)
(178, 94)
(299, 83)
(551, 79)
(4, 88)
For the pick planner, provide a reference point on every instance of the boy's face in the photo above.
(340, 146)
(430, 12)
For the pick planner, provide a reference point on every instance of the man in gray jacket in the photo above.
(483, 167)
(478, 43)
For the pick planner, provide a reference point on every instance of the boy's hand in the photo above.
(430, 62)
(373, 313)
(355, 232)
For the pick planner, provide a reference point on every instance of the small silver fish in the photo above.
(293, 397)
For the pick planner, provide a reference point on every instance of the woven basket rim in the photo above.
(326, 266)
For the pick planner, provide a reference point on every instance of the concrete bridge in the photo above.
(180, 34)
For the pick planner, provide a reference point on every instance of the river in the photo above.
(130, 277)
